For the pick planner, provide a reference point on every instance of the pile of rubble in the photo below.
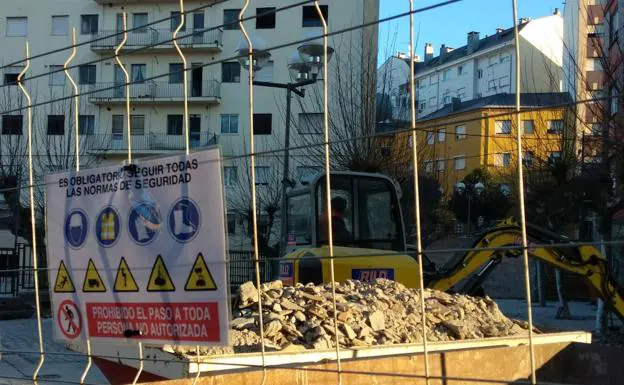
(376, 313)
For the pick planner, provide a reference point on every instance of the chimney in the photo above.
(557, 12)
(455, 104)
(499, 30)
(473, 41)
(428, 52)
(443, 51)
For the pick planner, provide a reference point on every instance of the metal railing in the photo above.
(105, 143)
(153, 91)
(150, 36)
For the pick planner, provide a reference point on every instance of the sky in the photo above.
(450, 24)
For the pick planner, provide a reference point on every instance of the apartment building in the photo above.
(217, 85)
(466, 135)
(486, 65)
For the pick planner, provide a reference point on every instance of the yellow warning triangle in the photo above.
(124, 280)
(159, 279)
(93, 282)
(63, 283)
(199, 278)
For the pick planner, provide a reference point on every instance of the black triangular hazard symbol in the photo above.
(125, 280)
(199, 278)
(93, 282)
(159, 279)
(63, 283)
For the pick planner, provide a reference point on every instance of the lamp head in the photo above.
(261, 55)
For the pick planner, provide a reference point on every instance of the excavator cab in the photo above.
(368, 231)
(365, 212)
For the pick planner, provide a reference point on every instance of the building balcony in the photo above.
(206, 92)
(149, 143)
(159, 40)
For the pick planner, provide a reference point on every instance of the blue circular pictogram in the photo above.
(184, 220)
(76, 228)
(108, 226)
(144, 223)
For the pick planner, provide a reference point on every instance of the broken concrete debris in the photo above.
(368, 313)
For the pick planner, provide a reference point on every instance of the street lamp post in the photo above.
(304, 67)
(471, 190)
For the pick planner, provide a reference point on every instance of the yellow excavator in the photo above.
(369, 242)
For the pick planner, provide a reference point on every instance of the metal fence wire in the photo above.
(23, 269)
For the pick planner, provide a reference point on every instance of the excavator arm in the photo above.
(500, 242)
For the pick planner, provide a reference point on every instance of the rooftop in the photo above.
(504, 100)
(504, 36)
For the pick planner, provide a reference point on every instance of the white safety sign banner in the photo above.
(139, 253)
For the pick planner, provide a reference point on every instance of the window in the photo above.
(138, 73)
(528, 127)
(491, 85)
(230, 72)
(460, 132)
(433, 101)
(527, 158)
(442, 135)
(88, 24)
(229, 124)
(446, 99)
(555, 126)
(56, 124)
(461, 70)
(175, 124)
(230, 175)
(503, 81)
(422, 106)
(16, 26)
(596, 129)
(461, 93)
(480, 73)
(433, 79)
(503, 159)
(86, 124)
(175, 21)
(266, 74)
(446, 75)
(310, 17)
(12, 124)
(139, 22)
(305, 173)
(86, 74)
(505, 58)
(459, 162)
(310, 123)
(440, 164)
(430, 138)
(11, 79)
(428, 166)
(137, 124)
(57, 76)
(60, 26)
(231, 223)
(502, 127)
(230, 19)
(554, 156)
(176, 75)
(262, 124)
(614, 100)
(265, 18)
(262, 175)
(117, 127)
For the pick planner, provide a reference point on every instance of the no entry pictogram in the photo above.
(69, 319)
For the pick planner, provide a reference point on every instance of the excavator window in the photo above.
(299, 225)
(365, 213)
